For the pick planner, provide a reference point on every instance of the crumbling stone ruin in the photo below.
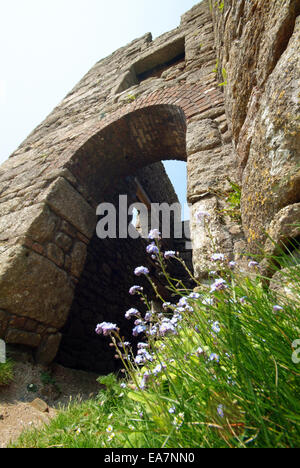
(221, 92)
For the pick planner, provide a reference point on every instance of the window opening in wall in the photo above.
(154, 64)
(159, 69)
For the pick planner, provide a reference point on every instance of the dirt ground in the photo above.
(55, 386)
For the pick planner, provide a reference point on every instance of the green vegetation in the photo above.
(224, 75)
(215, 70)
(220, 368)
(6, 372)
(217, 4)
(131, 98)
(233, 200)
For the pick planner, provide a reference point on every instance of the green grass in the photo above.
(6, 372)
(227, 378)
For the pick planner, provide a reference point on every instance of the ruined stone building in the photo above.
(221, 92)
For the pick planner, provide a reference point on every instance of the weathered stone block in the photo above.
(14, 336)
(48, 349)
(202, 135)
(78, 257)
(35, 221)
(27, 285)
(40, 405)
(65, 201)
(271, 179)
(55, 254)
(63, 241)
(209, 236)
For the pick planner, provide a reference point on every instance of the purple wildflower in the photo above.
(146, 356)
(158, 369)
(220, 411)
(166, 328)
(152, 249)
(154, 234)
(252, 264)
(183, 302)
(135, 289)
(139, 322)
(152, 331)
(132, 313)
(144, 381)
(277, 308)
(148, 317)
(208, 301)
(169, 254)
(124, 344)
(142, 345)
(141, 271)
(138, 330)
(214, 357)
(216, 327)
(106, 328)
(194, 295)
(139, 360)
(202, 215)
(217, 257)
(218, 285)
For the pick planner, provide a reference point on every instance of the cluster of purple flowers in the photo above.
(154, 234)
(161, 324)
(141, 271)
(214, 357)
(152, 249)
(135, 290)
(169, 254)
(277, 308)
(143, 354)
(218, 257)
(138, 329)
(106, 328)
(218, 285)
(132, 313)
(216, 327)
(168, 326)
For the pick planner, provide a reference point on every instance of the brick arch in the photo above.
(191, 99)
(144, 136)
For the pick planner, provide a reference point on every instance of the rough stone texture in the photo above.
(221, 92)
(48, 349)
(283, 236)
(258, 45)
(284, 284)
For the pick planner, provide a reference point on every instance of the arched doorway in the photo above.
(120, 163)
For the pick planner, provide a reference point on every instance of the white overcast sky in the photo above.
(48, 45)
